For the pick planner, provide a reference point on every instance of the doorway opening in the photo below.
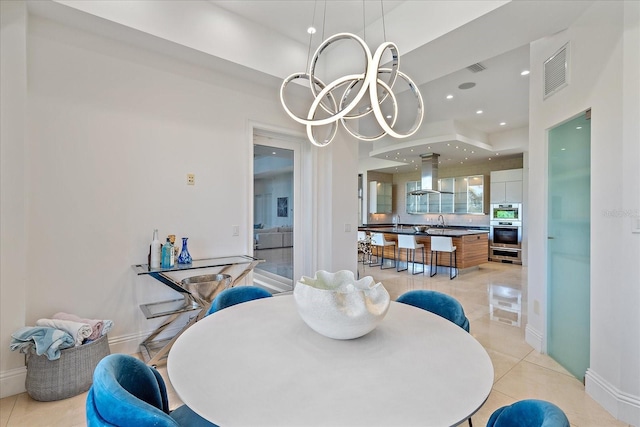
(273, 208)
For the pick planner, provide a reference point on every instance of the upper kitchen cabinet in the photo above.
(475, 194)
(457, 195)
(447, 189)
(506, 186)
(415, 204)
(380, 200)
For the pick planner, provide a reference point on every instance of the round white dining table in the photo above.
(258, 364)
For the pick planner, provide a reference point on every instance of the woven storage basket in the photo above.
(67, 376)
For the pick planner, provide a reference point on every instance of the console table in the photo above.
(154, 350)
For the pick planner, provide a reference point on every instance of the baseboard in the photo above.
(13, 381)
(533, 338)
(625, 407)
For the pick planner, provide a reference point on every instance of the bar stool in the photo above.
(409, 243)
(443, 244)
(378, 240)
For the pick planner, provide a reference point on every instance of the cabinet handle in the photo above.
(550, 237)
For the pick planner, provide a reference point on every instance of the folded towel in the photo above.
(96, 324)
(106, 326)
(48, 341)
(79, 331)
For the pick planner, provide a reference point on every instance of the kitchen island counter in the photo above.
(472, 244)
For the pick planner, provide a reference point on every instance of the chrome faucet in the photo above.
(440, 221)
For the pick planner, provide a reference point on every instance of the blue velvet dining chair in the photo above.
(529, 413)
(236, 295)
(438, 303)
(126, 392)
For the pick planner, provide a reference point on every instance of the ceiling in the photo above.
(437, 41)
(499, 90)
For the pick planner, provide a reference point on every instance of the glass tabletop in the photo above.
(197, 263)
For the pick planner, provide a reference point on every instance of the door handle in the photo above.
(550, 237)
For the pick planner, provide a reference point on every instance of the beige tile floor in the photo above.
(520, 372)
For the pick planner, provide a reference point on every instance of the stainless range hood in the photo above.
(429, 183)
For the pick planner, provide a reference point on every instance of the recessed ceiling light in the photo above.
(497, 154)
(562, 149)
(388, 116)
(412, 150)
(457, 147)
(579, 127)
(524, 72)
(503, 123)
(467, 85)
(489, 158)
(448, 145)
(449, 96)
(311, 30)
(479, 112)
(473, 152)
(273, 152)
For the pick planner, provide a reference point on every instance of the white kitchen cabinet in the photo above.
(506, 186)
(380, 200)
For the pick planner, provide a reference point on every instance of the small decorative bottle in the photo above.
(156, 249)
(167, 255)
(184, 257)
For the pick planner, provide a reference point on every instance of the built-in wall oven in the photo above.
(505, 236)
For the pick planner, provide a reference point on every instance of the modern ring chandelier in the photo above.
(344, 100)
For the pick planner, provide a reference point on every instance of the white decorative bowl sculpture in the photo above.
(338, 306)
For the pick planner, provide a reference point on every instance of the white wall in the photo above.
(112, 130)
(278, 186)
(604, 75)
(13, 232)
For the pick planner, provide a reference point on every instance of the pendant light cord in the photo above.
(384, 26)
(313, 21)
(364, 23)
(324, 18)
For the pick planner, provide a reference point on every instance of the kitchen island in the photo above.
(472, 245)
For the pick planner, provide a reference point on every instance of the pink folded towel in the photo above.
(96, 324)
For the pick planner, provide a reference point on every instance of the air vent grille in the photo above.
(556, 70)
(476, 68)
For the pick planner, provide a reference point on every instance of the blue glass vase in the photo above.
(184, 257)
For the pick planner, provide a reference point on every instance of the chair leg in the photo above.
(434, 267)
(377, 256)
(453, 255)
(414, 262)
(395, 261)
(398, 261)
(470, 423)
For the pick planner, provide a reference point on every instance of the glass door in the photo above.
(568, 254)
